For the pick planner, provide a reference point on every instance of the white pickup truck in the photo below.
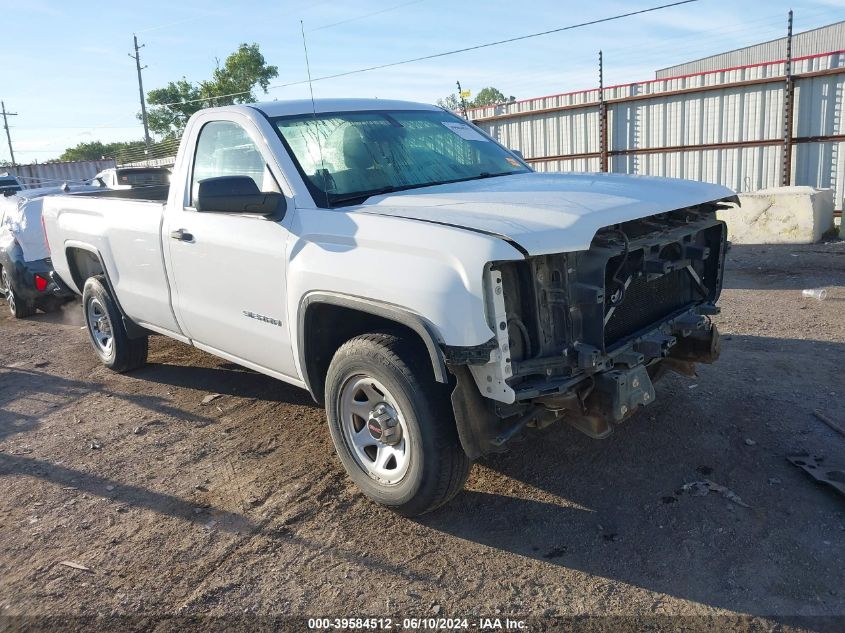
(419, 279)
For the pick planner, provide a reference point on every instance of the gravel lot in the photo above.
(240, 505)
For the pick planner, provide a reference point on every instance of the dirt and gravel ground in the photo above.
(240, 505)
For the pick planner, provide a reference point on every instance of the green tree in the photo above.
(172, 106)
(96, 150)
(450, 102)
(485, 97)
(242, 72)
(490, 96)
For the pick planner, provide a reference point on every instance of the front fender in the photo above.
(418, 324)
(431, 271)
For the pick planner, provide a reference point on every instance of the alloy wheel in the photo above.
(8, 293)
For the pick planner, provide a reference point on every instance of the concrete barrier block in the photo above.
(781, 215)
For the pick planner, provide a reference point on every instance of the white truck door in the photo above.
(230, 274)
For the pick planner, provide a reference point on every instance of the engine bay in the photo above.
(582, 336)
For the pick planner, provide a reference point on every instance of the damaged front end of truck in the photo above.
(582, 336)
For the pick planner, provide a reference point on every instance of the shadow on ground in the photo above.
(616, 509)
(226, 379)
(130, 495)
(40, 393)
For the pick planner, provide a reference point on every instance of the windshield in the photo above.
(347, 156)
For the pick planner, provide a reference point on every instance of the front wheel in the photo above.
(392, 425)
(105, 326)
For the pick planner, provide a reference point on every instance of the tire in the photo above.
(105, 327)
(416, 468)
(19, 308)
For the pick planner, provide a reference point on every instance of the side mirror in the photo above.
(518, 154)
(237, 194)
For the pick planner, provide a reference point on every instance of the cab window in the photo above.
(225, 149)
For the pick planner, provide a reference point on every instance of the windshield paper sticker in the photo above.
(464, 131)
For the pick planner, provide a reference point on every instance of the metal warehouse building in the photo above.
(822, 40)
(737, 118)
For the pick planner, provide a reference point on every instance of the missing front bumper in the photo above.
(617, 394)
(594, 404)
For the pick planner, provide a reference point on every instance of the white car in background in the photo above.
(131, 177)
(27, 280)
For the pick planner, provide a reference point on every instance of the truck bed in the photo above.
(156, 193)
(123, 227)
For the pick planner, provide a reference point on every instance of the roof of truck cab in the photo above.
(304, 106)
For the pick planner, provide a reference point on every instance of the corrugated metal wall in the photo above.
(49, 174)
(655, 126)
(826, 38)
(819, 112)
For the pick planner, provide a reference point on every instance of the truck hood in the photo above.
(545, 213)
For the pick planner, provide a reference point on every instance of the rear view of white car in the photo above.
(131, 177)
(27, 280)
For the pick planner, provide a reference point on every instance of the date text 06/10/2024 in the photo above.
(417, 624)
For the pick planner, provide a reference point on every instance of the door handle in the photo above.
(182, 235)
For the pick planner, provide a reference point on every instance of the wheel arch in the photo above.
(85, 262)
(11, 259)
(327, 320)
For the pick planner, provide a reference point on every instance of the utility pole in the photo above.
(788, 108)
(137, 58)
(6, 125)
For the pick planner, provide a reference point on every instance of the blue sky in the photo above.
(66, 71)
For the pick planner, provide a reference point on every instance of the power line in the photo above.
(168, 145)
(702, 44)
(452, 52)
(698, 42)
(707, 38)
(308, 7)
(154, 152)
(497, 43)
(210, 14)
(164, 26)
(366, 15)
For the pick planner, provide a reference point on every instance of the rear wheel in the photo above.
(105, 326)
(19, 308)
(392, 425)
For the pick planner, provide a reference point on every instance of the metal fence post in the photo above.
(788, 107)
(602, 118)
